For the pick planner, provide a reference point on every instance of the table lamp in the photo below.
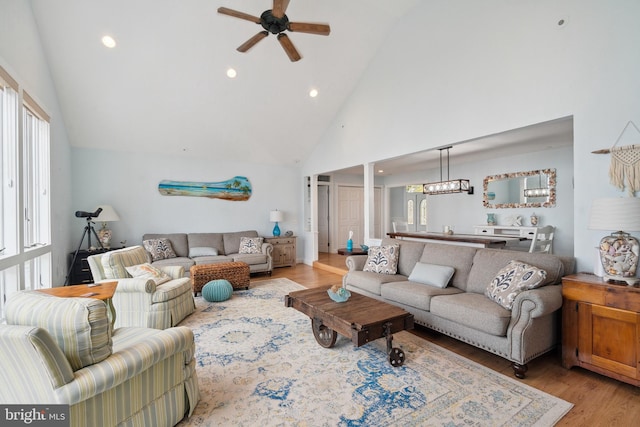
(619, 251)
(276, 216)
(108, 214)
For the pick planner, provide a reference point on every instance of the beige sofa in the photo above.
(64, 351)
(461, 309)
(198, 248)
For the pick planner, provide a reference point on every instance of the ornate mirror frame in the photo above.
(551, 185)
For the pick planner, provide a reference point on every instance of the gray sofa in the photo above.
(461, 309)
(227, 246)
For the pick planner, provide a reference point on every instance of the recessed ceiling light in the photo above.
(232, 73)
(109, 42)
(313, 93)
(380, 171)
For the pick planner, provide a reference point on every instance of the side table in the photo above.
(284, 250)
(601, 327)
(103, 291)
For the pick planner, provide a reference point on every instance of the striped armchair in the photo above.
(139, 301)
(64, 351)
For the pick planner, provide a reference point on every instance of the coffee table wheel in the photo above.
(396, 357)
(326, 337)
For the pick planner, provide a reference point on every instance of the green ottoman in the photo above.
(217, 290)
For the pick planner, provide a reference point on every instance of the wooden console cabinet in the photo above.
(284, 251)
(601, 327)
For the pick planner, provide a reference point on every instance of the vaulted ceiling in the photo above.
(164, 87)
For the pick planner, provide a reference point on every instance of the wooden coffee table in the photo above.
(102, 291)
(361, 319)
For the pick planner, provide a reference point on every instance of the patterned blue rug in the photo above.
(259, 365)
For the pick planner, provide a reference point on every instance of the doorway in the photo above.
(324, 218)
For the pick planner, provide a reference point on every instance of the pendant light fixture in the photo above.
(450, 185)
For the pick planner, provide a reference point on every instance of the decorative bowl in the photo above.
(364, 247)
(341, 296)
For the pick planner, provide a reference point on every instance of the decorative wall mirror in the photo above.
(532, 189)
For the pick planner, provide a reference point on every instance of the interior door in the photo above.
(323, 218)
(415, 209)
(350, 215)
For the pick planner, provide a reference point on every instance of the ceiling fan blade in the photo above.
(288, 47)
(306, 27)
(236, 14)
(279, 8)
(252, 41)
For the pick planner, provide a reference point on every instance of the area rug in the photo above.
(258, 364)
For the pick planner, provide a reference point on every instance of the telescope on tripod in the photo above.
(88, 231)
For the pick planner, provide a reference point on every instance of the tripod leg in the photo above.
(75, 254)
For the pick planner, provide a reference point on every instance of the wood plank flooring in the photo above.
(598, 400)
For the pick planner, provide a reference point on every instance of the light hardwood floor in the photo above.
(598, 400)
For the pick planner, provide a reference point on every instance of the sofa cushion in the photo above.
(205, 240)
(80, 326)
(513, 279)
(114, 263)
(410, 253)
(232, 240)
(371, 282)
(199, 251)
(473, 310)
(432, 274)
(382, 259)
(250, 245)
(413, 294)
(487, 263)
(458, 257)
(179, 261)
(159, 248)
(251, 259)
(178, 241)
(147, 271)
(201, 260)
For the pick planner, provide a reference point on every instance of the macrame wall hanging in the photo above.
(625, 163)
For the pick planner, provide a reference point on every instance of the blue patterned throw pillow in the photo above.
(513, 279)
(382, 259)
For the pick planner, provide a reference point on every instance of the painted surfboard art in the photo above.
(237, 188)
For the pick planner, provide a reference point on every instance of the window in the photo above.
(25, 213)
(35, 153)
(410, 214)
(423, 212)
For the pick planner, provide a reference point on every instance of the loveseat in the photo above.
(146, 296)
(64, 351)
(475, 295)
(187, 249)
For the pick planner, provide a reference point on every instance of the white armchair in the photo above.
(140, 301)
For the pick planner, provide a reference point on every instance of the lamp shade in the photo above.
(276, 216)
(108, 214)
(615, 214)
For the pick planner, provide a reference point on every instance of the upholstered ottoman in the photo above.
(217, 290)
(237, 273)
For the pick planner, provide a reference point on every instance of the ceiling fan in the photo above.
(275, 21)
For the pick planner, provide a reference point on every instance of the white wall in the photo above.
(455, 71)
(22, 56)
(129, 182)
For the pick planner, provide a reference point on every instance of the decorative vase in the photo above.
(491, 219)
(349, 245)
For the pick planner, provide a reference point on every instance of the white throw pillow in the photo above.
(147, 271)
(202, 251)
(513, 279)
(383, 259)
(432, 274)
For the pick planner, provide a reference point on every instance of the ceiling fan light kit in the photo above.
(275, 21)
